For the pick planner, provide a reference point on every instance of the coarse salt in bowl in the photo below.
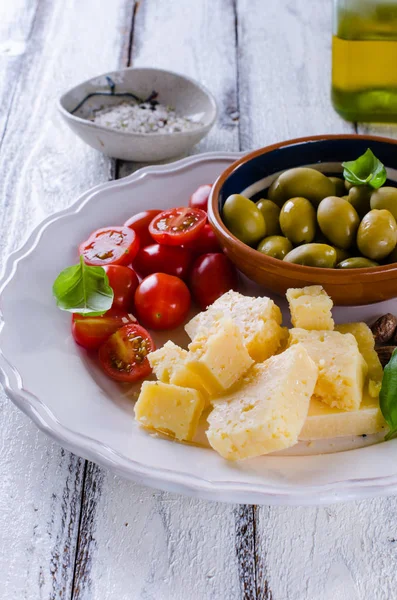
(185, 113)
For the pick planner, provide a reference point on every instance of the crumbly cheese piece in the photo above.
(218, 356)
(169, 366)
(258, 319)
(169, 409)
(326, 422)
(366, 345)
(267, 410)
(310, 308)
(341, 368)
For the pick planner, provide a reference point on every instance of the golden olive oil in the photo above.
(364, 64)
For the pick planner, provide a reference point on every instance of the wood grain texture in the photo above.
(16, 23)
(43, 167)
(284, 58)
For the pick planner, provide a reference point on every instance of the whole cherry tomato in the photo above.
(124, 355)
(158, 258)
(205, 242)
(211, 276)
(110, 246)
(177, 226)
(140, 224)
(162, 301)
(199, 199)
(91, 332)
(123, 281)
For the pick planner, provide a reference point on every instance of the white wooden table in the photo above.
(69, 529)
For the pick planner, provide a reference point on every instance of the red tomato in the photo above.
(91, 332)
(177, 226)
(124, 355)
(110, 246)
(140, 223)
(200, 197)
(123, 281)
(205, 243)
(163, 259)
(162, 301)
(211, 276)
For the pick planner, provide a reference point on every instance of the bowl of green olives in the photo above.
(318, 210)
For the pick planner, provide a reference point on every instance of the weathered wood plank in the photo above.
(174, 547)
(149, 544)
(345, 551)
(284, 58)
(43, 166)
(16, 22)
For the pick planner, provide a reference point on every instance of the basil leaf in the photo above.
(366, 170)
(388, 396)
(83, 289)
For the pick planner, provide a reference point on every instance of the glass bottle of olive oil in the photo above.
(364, 60)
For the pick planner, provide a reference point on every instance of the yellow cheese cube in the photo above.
(366, 345)
(341, 368)
(326, 422)
(169, 409)
(267, 410)
(218, 356)
(310, 308)
(169, 366)
(258, 319)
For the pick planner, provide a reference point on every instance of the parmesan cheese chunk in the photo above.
(341, 368)
(169, 366)
(266, 411)
(326, 422)
(169, 409)
(258, 319)
(310, 308)
(218, 356)
(366, 345)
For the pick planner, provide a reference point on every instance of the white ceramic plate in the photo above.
(67, 396)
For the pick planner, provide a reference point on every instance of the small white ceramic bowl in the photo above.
(189, 98)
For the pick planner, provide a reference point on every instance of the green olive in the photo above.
(338, 221)
(244, 219)
(348, 185)
(276, 246)
(385, 197)
(359, 197)
(313, 255)
(377, 234)
(301, 181)
(271, 213)
(339, 184)
(356, 262)
(298, 220)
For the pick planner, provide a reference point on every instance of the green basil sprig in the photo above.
(83, 289)
(365, 170)
(388, 396)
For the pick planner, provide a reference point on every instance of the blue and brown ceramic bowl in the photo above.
(253, 174)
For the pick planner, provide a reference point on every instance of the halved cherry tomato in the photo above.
(211, 276)
(123, 281)
(158, 258)
(162, 301)
(110, 246)
(124, 355)
(200, 197)
(177, 226)
(140, 223)
(205, 242)
(91, 332)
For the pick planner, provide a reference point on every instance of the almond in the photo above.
(384, 328)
